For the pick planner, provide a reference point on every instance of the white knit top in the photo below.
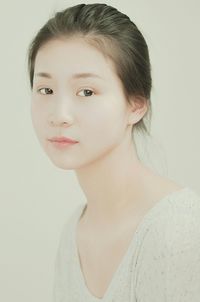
(161, 264)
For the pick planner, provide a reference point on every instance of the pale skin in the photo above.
(119, 189)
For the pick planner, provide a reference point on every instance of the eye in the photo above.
(88, 92)
(46, 89)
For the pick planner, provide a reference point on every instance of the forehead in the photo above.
(73, 56)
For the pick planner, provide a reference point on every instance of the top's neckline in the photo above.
(150, 213)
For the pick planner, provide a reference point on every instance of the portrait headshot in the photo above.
(104, 189)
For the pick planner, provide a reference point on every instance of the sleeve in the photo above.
(169, 261)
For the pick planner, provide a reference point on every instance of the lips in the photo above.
(62, 139)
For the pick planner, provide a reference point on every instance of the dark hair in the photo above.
(111, 32)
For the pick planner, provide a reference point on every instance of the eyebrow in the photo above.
(74, 76)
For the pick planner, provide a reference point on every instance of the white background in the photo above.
(36, 198)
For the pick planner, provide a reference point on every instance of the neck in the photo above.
(113, 184)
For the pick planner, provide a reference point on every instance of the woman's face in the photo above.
(93, 108)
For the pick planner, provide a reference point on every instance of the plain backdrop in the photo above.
(36, 197)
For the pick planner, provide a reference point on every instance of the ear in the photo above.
(137, 109)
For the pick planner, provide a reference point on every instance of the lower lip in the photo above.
(62, 145)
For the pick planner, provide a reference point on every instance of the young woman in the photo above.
(137, 238)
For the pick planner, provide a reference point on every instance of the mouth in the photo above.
(63, 140)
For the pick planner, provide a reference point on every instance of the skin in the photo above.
(116, 184)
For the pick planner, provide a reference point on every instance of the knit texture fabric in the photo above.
(161, 264)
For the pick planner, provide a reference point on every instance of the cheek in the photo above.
(102, 125)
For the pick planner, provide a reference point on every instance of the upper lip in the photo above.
(62, 139)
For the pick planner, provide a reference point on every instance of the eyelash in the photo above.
(51, 89)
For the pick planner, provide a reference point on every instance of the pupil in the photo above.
(88, 91)
(48, 89)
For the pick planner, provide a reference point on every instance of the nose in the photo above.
(60, 117)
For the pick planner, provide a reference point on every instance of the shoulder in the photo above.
(168, 263)
(177, 222)
(183, 219)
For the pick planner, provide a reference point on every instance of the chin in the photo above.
(64, 165)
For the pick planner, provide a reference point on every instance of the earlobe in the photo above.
(135, 118)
